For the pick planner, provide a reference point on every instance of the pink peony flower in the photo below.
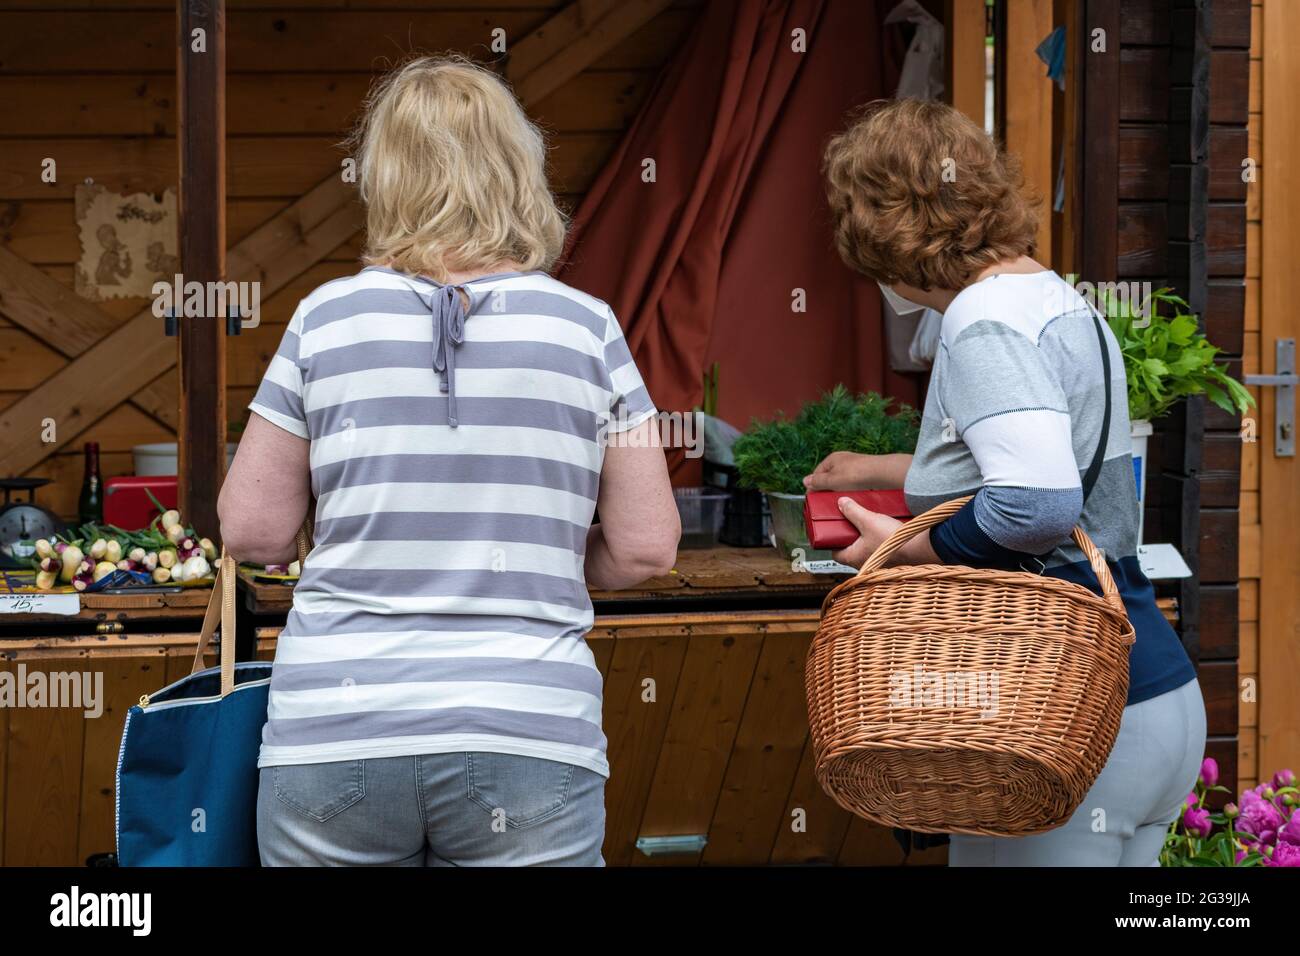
(1259, 817)
(1290, 831)
(1283, 778)
(1209, 772)
(1285, 854)
(1197, 820)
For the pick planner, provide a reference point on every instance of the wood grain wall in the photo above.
(92, 85)
(1175, 214)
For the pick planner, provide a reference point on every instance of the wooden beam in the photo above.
(201, 138)
(571, 41)
(1066, 245)
(964, 41)
(107, 374)
(1097, 224)
(69, 324)
(1027, 117)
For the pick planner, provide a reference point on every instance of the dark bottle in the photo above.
(90, 506)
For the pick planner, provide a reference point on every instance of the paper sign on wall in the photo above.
(127, 242)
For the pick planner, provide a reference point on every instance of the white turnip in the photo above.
(195, 568)
(72, 558)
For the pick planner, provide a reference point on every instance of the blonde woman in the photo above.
(458, 416)
(926, 204)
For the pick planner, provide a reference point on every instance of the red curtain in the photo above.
(710, 259)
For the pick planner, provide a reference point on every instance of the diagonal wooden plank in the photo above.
(572, 40)
(532, 52)
(108, 373)
(69, 324)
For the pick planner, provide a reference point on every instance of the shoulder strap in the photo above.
(1094, 467)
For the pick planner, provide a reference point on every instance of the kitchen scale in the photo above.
(24, 521)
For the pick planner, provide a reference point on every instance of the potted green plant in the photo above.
(774, 456)
(1166, 359)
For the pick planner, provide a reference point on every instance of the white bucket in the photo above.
(160, 458)
(1140, 431)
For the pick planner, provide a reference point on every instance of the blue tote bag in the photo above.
(187, 769)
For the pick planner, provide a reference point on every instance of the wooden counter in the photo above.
(748, 574)
(704, 710)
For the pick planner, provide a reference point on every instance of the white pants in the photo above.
(1123, 819)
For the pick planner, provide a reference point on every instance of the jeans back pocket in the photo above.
(320, 790)
(526, 790)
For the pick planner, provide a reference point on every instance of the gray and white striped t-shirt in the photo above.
(455, 459)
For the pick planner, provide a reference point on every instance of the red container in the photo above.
(126, 503)
(829, 530)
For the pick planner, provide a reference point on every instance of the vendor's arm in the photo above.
(267, 491)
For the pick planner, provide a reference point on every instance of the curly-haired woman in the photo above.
(925, 203)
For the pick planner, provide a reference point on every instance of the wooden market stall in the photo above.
(1150, 133)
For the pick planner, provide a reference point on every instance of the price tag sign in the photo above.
(65, 604)
(827, 567)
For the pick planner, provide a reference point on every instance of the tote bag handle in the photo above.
(221, 606)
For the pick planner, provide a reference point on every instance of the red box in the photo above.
(126, 503)
(828, 530)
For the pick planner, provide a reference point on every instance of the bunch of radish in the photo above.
(187, 558)
(166, 550)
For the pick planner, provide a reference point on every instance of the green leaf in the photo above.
(1170, 359)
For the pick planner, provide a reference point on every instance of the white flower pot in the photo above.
(1140, 431)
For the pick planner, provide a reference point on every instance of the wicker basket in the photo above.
(948, 699)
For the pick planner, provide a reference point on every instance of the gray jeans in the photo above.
(1123, 819)
(452, 809)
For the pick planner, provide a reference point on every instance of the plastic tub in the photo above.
(701, 511)
(160, 458)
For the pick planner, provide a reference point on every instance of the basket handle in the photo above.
(303, 540)
(941, 513)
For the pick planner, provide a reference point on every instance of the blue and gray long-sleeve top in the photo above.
(1013, 415)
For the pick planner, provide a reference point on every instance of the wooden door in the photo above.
(1270, 559)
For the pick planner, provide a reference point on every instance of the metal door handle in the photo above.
(1285, 381)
